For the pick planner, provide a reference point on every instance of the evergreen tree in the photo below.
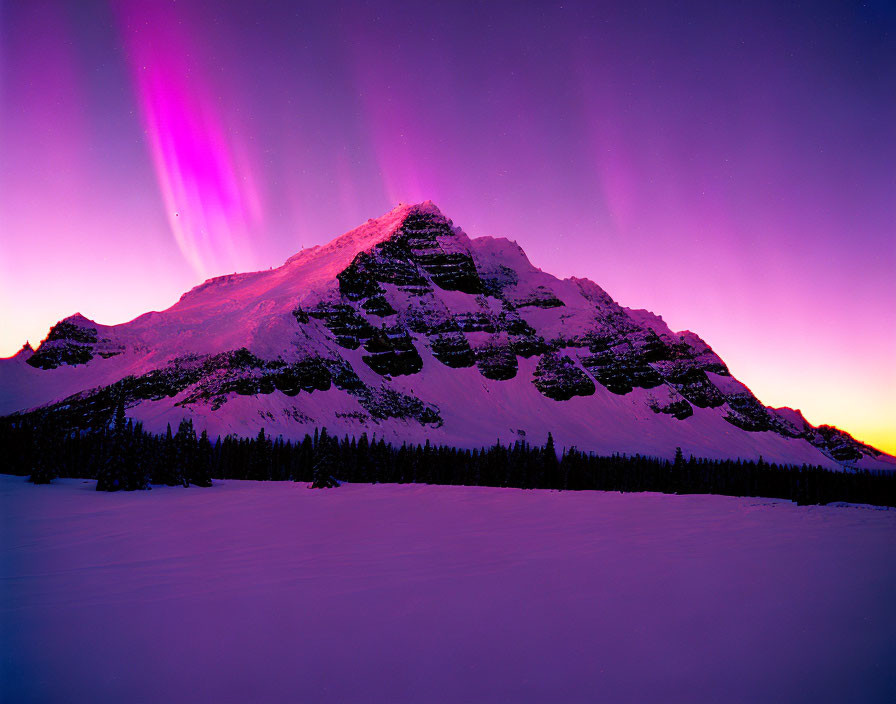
(184, 452)
(113, 475)
(325, 463)
(200, 473)
(261, 452)
(136, 459)
(165, 466)
(42, 470)
(550, 465)
(677, 481)
(304, 460)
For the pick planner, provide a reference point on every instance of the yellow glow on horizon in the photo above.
(881, 438)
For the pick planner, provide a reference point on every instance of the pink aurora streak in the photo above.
(202, 164)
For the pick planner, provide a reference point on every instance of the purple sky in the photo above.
(731, 166)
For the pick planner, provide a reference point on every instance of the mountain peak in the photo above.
(25, 351)
(373, 232)
(79, 320)
(315, 268)
(415, 225)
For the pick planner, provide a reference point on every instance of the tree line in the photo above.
(122, 455)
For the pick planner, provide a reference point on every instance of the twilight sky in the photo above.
(730, 166)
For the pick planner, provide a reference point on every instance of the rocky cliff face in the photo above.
(407, 328)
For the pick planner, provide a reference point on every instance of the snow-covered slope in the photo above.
(408, 329)
(268, 592)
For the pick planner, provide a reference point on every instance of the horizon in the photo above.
(734, 179)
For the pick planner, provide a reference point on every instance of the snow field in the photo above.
(271, 592)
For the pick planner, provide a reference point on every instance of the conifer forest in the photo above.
(121, 455)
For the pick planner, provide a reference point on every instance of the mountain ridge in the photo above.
(407, 328)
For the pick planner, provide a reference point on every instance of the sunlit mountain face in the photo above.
(408, 329)
(729, 167)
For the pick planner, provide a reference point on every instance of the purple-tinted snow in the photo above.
(272, 592)
(255, 311)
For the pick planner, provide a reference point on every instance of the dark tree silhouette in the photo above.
(200, 471)
(325, 465)
(550, 466)
(42, 465)
(184, 452)
(120, 455)
(114, 473)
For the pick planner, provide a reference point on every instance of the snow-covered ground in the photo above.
(271, 592)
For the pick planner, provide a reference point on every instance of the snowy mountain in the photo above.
(408, 329)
